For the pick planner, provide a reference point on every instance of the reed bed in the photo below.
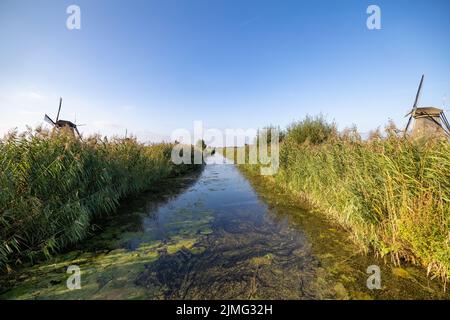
(53, 185)
(392, 194)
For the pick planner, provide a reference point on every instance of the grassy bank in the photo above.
(52, 186)
(392, 194)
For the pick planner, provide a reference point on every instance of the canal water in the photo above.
(216, 234)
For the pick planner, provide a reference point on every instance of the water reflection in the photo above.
(247, 254)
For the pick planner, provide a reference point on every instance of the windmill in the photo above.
(59, 124)
(428, 121)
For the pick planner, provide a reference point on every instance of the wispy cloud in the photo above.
(27, 112)
(33, 95)
(127, 108)
(151, 137)
(21, 107)
(248, 22)
(22, 99)
(107, 125)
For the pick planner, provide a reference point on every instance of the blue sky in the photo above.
(155, 66)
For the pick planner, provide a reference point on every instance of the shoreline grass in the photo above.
(392, 194)
(53, 185)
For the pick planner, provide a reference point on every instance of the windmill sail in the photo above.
(418, 94)
(78, 132)
(414, 108)
(59, 109)
(49, 120)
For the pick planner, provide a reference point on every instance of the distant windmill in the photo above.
(428, 121)
(58, 124)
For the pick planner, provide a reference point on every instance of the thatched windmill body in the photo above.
(428, 121)
(60, 124)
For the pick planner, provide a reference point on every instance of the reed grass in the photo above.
(53, 185)
(392, 194)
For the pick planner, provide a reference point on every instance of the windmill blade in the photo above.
(418, 93)
(59, 109)
(446, 123)
(78, 132)
(49, 120)
(419, 90)
(407, 125)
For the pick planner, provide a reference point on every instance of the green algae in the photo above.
(402, 273)
(261, 261)
(108, 275)
(189, 222)
(341, 292)
(111, 260)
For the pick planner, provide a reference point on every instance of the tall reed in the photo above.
(392, 194)
(53, 185)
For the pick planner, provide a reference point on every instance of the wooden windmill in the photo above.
(428, 121)
(59, 124)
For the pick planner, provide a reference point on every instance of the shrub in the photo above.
(314, 130)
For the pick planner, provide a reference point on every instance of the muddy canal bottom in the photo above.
(215, 235)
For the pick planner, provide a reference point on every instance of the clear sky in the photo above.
(155, 66)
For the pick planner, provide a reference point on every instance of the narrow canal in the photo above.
(217, 234)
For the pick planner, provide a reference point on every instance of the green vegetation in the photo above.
(266, 133)
(53, 185)
(392, 194)
(201, 145)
